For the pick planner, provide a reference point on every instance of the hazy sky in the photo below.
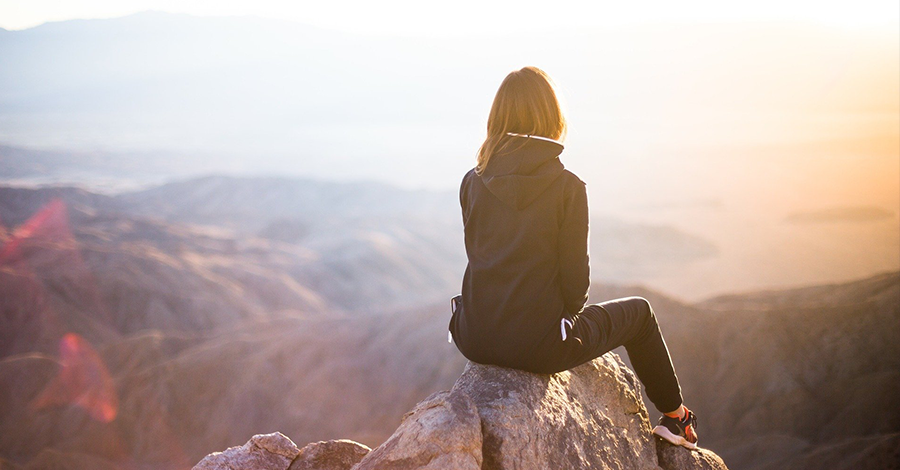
(722, 119)
(416, 17)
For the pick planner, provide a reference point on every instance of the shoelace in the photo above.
(690, 419)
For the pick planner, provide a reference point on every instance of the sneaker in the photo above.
(679, 432)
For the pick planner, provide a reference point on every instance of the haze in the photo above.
(729, 130)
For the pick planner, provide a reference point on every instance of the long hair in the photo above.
(525, 104)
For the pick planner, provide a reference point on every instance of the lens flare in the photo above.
(83, 381)
(49, 227)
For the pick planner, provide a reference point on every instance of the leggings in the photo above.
(602, 327)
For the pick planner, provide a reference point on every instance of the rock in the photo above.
(442, 432)
(591, 417)
(262, 452)
(340, 454)
(672, 457)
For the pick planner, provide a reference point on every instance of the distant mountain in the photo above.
(129, 339)
(341, 219)
(326, 375)
(349, 246)
(801, 378)
(375, 246)
(248, 205)
(111, 172)
(346, 261)
(78, 264)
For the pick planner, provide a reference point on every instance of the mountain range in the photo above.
(134, 338)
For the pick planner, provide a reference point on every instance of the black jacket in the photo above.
(526, 232)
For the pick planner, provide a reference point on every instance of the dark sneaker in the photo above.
(679, 432)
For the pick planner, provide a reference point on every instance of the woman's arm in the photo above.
(574, 266)
(463, 196)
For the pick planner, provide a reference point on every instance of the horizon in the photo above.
(763, 138)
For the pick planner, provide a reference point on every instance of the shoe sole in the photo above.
(673, 439)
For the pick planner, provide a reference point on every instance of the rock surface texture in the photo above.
(591, 417)
(444, 431)
(678, 457)
(276, 452)
(263, 451)
(340, 454)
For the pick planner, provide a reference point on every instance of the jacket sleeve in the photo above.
(463, 197)
(574, 265)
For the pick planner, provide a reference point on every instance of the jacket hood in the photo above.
(521, 174)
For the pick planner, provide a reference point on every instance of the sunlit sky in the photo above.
(416, 17)
(717, 118)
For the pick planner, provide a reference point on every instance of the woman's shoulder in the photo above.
(467, 178)
(571, 179)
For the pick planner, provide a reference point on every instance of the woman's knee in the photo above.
(644, 309)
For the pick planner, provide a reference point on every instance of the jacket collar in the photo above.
(522, 171)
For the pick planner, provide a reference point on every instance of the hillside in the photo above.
(350, 221)
(133, 339)
(782, 358)
(761, 367)
(77, 264)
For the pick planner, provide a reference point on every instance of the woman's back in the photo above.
(525, 288)
(525, 221)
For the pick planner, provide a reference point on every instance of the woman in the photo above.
(525, 287)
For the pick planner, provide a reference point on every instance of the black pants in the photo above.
(600, 328)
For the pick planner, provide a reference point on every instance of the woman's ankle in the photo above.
(678, 413)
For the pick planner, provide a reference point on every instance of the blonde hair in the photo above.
(525, 104)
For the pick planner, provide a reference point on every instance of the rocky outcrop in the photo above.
(678, 457)
(442, 432)
(276, 452)
(341, 454)
(591, 417)
(263, 451)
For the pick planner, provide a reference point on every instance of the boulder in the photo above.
(262, 452)
(339, 454)
(677, 457)
(442, 432)
(590, 417)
